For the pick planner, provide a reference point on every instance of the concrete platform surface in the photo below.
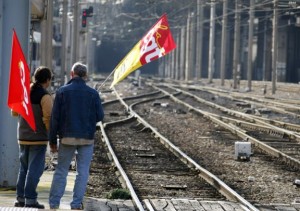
(8, 197)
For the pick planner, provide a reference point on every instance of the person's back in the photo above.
(79, 111)
(76, 110)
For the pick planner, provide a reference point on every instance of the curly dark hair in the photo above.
(42, 74)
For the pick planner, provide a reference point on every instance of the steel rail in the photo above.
(133, 194)
(251, 118)
(210, 178)
(282, 108)
(238, 131)
(288, 126)
(205, 174)
(249, 125)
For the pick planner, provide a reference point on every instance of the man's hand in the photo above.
(53, 148)
(13, 113)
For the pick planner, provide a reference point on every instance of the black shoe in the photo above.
(36, 205)
(78, 208)
(19, 204)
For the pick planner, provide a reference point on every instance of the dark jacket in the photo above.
(25, 133)
(76, 110)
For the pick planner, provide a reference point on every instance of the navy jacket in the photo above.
(76, 110)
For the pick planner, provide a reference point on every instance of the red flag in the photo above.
(155, 44)
(19, 84)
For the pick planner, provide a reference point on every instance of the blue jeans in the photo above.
(32, 165)
(83, 160)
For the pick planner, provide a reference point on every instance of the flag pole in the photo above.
(108, 77)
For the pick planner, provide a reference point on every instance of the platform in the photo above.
(8, 197)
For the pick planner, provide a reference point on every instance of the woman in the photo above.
(33, 144)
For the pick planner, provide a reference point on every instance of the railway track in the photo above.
(284, 140)
(155, 171)
(245, 179)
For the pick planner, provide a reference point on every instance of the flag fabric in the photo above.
(156, 43)
(19, 84)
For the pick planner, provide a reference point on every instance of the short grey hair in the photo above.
(79, 69)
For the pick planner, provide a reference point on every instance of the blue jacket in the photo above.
(76, 110)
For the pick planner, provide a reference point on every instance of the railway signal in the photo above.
(84, 17)
(85, 14)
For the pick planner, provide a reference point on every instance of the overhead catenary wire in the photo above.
(189, 7)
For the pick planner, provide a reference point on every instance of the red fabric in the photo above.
(19, 84)
(157, 42)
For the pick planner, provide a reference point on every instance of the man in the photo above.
(33, 144)
(76, 110)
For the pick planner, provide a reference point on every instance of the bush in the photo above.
(119, 194)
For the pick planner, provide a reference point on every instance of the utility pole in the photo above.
(211, 41)
(182, 53)
(191, 47)
(187, 48)
(177, 60)
(224, 42)
(199, 39)
(173, 64)
(63, 44)
(75, 33)
(236, 53)
(47, 36)
(274, 46)
(250, 44)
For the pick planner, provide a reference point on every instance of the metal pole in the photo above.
(173, 62)
(236, 52)
(192, 50)
(264, 51)
(43, 46)
(250, 44)
(169, 65)
(199, 39)
(49, 35)
(211, 41)
(46, 36)
(63, 43)
(274, 47)
(177, 60)
(224, 42)
(69, 41)
(182, 53)
(187, 52)
(15, 14)
(200, 35)
(75, 33)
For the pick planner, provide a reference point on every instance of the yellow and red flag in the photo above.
(19, 84)
(156, 43)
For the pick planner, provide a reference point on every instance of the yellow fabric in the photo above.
(76, 141)
(130, 63)
(33, 142)
(47, 104)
